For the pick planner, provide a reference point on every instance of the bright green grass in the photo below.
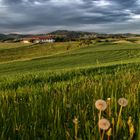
(94, 55)
(42, 106)
(40, 97)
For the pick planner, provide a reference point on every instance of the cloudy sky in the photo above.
(41, 16)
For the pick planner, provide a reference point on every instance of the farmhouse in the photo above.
(26, 41)
(39, 39)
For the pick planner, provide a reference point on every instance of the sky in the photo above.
(43, 16)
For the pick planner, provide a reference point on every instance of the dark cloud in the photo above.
(91, 15)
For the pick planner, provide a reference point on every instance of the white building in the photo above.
(39, 39)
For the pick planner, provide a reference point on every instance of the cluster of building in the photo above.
(39, 39)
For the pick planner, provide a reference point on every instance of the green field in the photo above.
(43, 87)
(53, 57)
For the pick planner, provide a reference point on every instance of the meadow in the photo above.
(47, 93)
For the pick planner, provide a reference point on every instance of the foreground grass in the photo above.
(43, 105)
(40, 104)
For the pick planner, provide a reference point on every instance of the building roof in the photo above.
(39, 37)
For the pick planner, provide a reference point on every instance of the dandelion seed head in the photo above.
(100, 105)
(123, 102)
(104, 124)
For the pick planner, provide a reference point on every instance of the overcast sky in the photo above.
(41, 16)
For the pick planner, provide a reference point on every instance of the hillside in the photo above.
(49, 91)
(67, 34)
(72, 34)
(47, 57)
(11, 37)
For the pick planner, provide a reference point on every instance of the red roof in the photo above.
(40, 37)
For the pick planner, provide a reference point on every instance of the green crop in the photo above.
(59, 106)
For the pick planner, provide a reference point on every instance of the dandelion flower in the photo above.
(109, 132)
(123, 102)
(131, 130)
(100, 105)
(113, 121)
(129, 122)
(104, 124)
(108, 99)
(75, 120)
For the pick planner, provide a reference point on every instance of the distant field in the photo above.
(4, 46)
(48, 91)
(52, 57)
(14, 52)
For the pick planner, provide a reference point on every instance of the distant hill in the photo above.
(66, 34)
(6, 37)
(2, 36)
(77, 34)
(71, 34)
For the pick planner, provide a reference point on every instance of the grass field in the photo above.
(48, 91)
(30, 51)
(42, 58)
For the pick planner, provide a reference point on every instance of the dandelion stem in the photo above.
(113, 132)
(109, 106)
(119, 118)
(99, 119)
(109, 110)
(103, 135)
(100, 114)
(108, 138)
(75, 121)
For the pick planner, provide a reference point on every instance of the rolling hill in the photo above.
(50, 91)
(47, 57)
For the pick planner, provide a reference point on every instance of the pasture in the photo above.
(49, 91)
